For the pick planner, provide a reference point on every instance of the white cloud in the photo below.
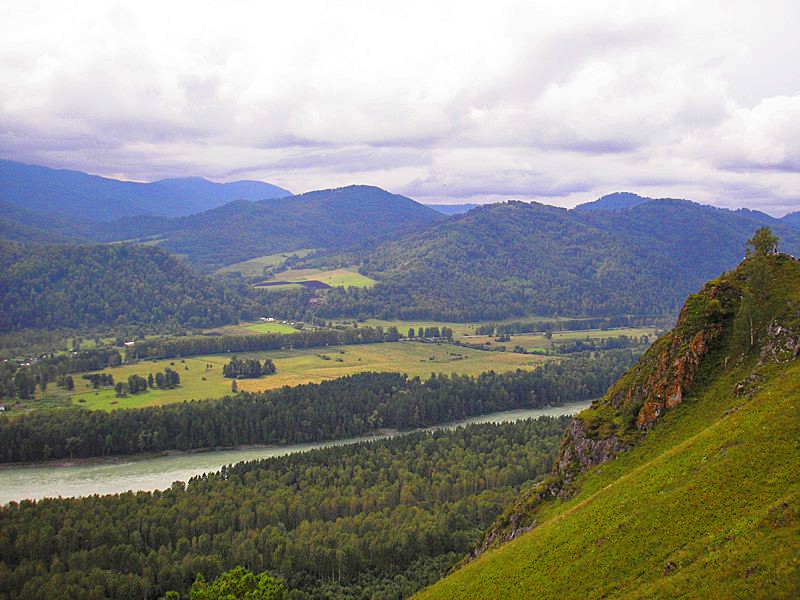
(453, 101)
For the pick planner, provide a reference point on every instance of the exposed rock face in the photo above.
(657, 383)
(781, 344)
(497, 537)
(579, 450)
(673, 376)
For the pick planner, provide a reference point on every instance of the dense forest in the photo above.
(70, 286)
(368, 520)
(335, 409)
(516, 259)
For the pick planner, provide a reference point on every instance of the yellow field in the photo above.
(201, 377)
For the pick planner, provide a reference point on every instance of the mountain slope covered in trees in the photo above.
(514, 259)
(83, 286)
(89, 197)
(332, 219)
(684, 479)
(615, 201)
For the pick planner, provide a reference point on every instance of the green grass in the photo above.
(255, 266)
(533, 342)
(712, 492)
(272, 327)
(343, 277)
(201, 377)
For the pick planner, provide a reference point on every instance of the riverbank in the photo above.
(147, 473)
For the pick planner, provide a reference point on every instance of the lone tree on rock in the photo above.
(763, 243)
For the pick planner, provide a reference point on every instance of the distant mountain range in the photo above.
(622, 253)
(89, 197)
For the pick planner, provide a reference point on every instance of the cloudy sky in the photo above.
(447, 102)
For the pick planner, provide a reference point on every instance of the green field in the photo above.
(251, 327)
(532, 342)
(708, 506)
(201, 377)
(255, 266)
(343, 277)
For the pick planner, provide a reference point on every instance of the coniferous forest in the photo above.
(378, 519)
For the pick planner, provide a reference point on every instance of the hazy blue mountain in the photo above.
(792, 220)
(615, 201)
(88, 197)
(452, 209)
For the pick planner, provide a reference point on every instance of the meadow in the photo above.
(201, 376)
(342, 277)
(255, 266)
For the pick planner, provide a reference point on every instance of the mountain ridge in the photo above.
(77, 194)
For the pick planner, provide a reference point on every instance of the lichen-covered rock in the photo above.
(781, 344)
(579, 450)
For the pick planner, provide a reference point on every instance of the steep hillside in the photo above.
(332, 219)
(684, 479)
(514, 259)
(70, 286)
(89, 197)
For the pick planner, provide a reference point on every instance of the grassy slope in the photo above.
(718, 496)
(344, 277)
(715, 493)
(255, 266)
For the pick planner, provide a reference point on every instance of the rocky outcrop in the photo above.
(674, 374)
(781, 344)
(579, 451)
(659, 382)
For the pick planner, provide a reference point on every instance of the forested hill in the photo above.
(89, 197)
(615, 201)
(78, 286)
(514, 258)
(333, 219)
(698, 494)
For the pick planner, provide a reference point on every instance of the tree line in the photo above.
(336, 409)
(196, 345)
(377, 519)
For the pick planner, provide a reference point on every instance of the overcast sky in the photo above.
(558, 102)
